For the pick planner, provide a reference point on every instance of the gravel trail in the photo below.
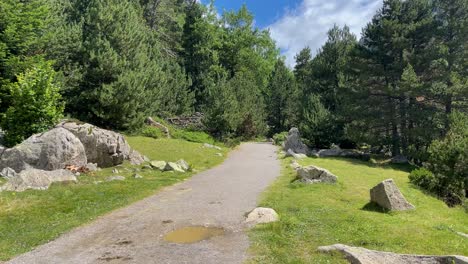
(219, 197)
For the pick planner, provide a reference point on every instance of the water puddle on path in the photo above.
(193, 234)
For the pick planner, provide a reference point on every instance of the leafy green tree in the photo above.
(22, 37)
(35, 104)
(246, 48)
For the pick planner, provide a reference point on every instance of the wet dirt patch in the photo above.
(193, 234)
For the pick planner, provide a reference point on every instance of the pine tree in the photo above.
(282, 101)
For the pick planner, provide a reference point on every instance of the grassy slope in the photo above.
(32, 218)
(317, 215)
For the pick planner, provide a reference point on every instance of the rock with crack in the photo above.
(51, 150)
(160, 165)
(357, 255)
(387, 195)
(175, 167)
(262, 215)
(183, 164)
(136, 158)
(293, 142)
(37, 180)
(8, 173)
(313, 174)
(104, 147)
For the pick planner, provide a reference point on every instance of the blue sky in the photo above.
(295, 24)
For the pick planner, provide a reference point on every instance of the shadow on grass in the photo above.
(373, 207)
(403, 167)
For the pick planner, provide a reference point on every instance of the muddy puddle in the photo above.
(193, 234)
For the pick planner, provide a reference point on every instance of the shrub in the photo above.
(279, 138)
(448, 162)
(152, 132)
(423, 178)
(35, 104)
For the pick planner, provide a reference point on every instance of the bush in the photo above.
(448, 162)
(279, 138)
(152, 132)
(423, 178)
(35, 104)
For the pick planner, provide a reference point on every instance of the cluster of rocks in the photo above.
(336, 151)
(40, 160)
(358, 255)
(294, 147)
(179, 166)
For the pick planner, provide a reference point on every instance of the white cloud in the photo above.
(308, 24)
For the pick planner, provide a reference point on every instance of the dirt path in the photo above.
(218, 197)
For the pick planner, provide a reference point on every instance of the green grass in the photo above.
(33, 218)
(324, 214)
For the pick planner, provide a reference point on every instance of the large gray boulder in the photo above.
(313, 174)
(334, 151)
(104, 147)
(358, 255)
(50, 150)
(294, 143)
(387, 195)
(37, 180)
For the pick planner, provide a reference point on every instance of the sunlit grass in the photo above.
(323, 214)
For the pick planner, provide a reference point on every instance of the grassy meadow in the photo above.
(325, 214)
(33, 218)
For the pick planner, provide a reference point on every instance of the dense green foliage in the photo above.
(447, 167)
(35, 104)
